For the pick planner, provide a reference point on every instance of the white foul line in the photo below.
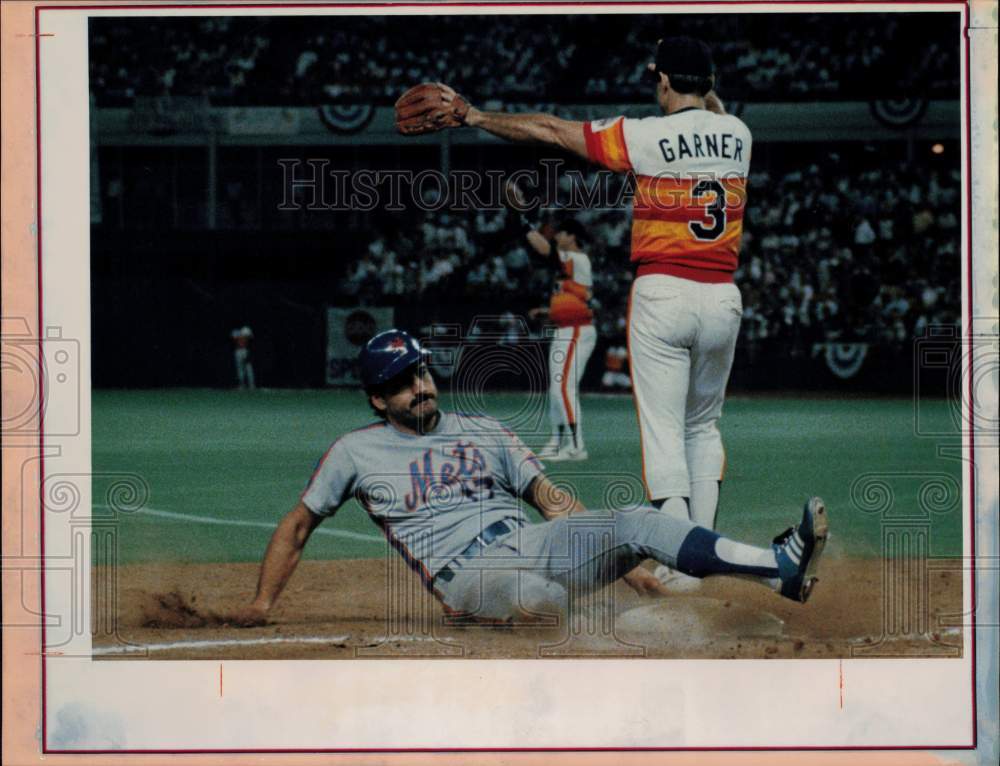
(100, 651)
(242, 523)
(215, 644)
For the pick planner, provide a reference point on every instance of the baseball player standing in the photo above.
(241, 338)
(444, 488)
(690, 167)
(574, 338)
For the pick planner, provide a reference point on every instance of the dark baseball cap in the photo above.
(684, 56)
(387, 355)
(575, 228)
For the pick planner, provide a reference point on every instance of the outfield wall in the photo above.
(176, 332)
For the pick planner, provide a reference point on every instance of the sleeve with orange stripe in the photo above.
(519, 465)
(606, 143)
(332, 481)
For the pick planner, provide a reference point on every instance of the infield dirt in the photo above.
(346, 610)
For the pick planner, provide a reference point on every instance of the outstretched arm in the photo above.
(515, 199)
(433, 106)
(280, 559)
(539, 243)
(538, 128)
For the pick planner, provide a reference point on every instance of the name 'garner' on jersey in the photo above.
(691, 170)
(430, 494)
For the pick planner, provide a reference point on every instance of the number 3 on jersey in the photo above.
(715, 210)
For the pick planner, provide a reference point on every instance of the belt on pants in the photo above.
(487, 536)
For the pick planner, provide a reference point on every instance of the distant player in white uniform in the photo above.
(574, 337)
(690, 167)
(445, 489)
(241, 337)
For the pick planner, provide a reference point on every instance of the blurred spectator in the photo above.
(572, 58)
(818, 263)
(835, 247)
(616, 375)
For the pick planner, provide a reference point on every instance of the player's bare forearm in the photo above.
(534, 128)
(644, 582)
(539, 243)
(283, 554)
(713, 103)
(552, 501)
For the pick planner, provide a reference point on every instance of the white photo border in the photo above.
(492, 704)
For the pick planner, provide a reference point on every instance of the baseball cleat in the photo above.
(550, 450)
(569, 454)
(799, 551)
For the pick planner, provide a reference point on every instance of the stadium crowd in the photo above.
(262, 60)
(831, 252)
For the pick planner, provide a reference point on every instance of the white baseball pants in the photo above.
(569, 352)
(682, 336)
(244, 368)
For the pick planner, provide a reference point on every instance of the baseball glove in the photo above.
(428, 108)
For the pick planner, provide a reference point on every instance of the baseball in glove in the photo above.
(428, 108)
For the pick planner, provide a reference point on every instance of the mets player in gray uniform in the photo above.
(446, 489)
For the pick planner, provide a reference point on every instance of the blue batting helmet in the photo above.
(387, 355)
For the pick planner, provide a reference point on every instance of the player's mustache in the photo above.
(418, 400)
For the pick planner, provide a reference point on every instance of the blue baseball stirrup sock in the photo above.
(704, 552)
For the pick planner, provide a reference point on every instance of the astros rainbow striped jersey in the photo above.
(568, 306)
(690, 171)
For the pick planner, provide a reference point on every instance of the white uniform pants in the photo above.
(682, 335)
(569, 352)
(244, 368)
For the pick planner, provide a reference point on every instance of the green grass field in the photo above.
(223, 466)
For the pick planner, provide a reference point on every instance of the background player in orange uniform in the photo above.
(574, 338)
(690, 167)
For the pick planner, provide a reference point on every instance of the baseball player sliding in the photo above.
(445, 487)
(690, 167)
(574, 338)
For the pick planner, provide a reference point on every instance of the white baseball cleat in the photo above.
(675, 581)
(550, 450)
(569, 454)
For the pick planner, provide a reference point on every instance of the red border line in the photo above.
(41, 357)
(792, 749)
(614, 3)
(840, 685)
(522, 3)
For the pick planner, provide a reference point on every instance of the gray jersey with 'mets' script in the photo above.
(431, 494)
